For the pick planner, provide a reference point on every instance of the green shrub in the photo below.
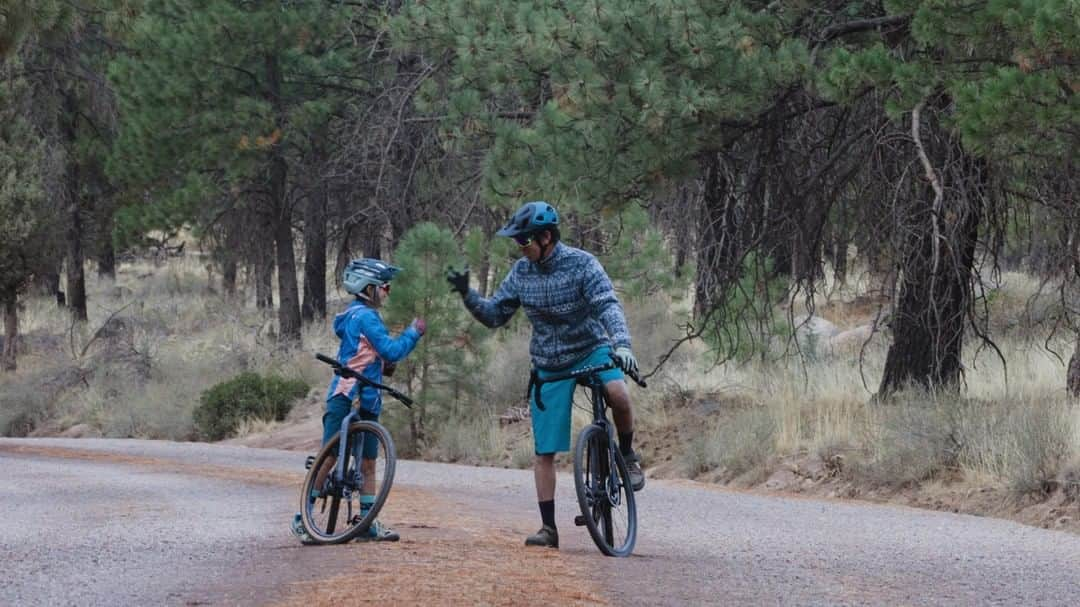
(245, 396)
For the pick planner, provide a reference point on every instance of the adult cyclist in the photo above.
(577, 320)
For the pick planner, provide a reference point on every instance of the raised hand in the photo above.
(459, 280)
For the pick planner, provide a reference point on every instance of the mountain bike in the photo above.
(602, 482)
(349, 479)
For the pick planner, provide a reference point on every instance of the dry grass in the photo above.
(253, 425)
(474, 440)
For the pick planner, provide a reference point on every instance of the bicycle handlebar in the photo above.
(343, 371)
(535, 382)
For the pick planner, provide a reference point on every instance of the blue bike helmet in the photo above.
(367, 271)
(531, 217)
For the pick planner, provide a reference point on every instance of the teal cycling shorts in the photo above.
(551, 427)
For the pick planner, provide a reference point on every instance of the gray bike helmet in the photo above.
(367, 271)
(531, 217)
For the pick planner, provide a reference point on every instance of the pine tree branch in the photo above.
(510, 115)
(861, 25)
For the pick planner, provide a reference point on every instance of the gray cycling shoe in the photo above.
(378, 532)
(298, 530)
(547, 537)
(633, 466)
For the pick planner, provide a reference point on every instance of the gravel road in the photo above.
(107, 522)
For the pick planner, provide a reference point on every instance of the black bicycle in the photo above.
(602, 481)
(349, 479)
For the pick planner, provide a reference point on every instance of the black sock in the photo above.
(626, 443)
(547, 513)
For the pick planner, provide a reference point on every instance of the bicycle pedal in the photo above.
(579, 520)
(309, 462)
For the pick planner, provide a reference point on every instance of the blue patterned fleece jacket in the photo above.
(570, 301)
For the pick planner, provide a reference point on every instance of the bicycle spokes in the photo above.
(355, 485)
(604, 493)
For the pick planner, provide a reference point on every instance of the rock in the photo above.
(851, 340)
(781, 479)
(814, 327)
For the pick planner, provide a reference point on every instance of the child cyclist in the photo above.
(367, 348)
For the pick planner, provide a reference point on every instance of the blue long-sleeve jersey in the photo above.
(365, 344)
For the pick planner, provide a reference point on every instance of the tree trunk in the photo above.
(107, 260)
(483, 271)
(1072, 381)
(48, 283)
(11, 332)
(315, 256)
(76, 279)
(228, 277)
(288, 292)
(682, 226)
(264, 269)
(230, 258)
(839, 247)
(936, 279)
(106, 252)
(76, 276)
(344, 253)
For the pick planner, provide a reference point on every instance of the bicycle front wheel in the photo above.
(604, 493)
(339, 503)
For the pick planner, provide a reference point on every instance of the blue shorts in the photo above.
(337, 408)
(551, 427)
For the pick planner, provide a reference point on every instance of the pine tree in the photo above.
(26, 217)
(220, 99)
(19, 19)
(987, 88)
(443, 368)
(596, 105)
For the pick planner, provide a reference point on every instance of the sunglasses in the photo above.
(385, 287)
(525, 240)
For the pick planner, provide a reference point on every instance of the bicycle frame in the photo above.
(339, 466)
(598, 398)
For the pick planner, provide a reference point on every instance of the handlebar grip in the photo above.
(637, 380)
(405, 400)
(326, 359)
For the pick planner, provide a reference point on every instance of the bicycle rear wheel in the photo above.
(338, 510)
(604, 493)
